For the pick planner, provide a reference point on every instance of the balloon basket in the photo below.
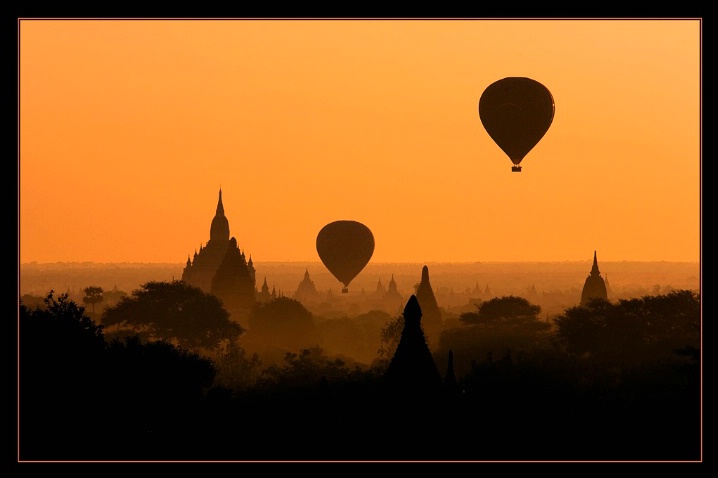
(345, 290)
(516, 169)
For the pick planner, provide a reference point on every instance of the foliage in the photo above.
(499, 326)
(69, 376)
(308, 367)
(60, 321)
(357, 337)
(390, 338)
(633, 330)
(61, 372)
(156, 391)
(236, 369)
(283, 322)
(507, 311)
(111, 297)
(157, 373)
(93, 295)
(173, 311)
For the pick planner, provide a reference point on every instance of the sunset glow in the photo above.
(129, 128)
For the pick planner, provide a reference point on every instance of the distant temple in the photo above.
(263, 295)
(393, 298)
(221, 268)
(433, 322)
(306, 292)
(594, 287)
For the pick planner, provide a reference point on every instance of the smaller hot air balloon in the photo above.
(516, 112)
(345, 247)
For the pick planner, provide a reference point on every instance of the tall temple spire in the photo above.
(433, 320)
(594, 269)
(219, 230)
(595, 286)
(220, 206)
(392, 283)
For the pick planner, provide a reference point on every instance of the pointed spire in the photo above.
(219, 229)
(594, 269)
(392, 286)
(412, 310)
(412, 367)
(220, 206)
(424, 274)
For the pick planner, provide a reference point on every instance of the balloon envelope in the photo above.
(516, 112)
(345, 247)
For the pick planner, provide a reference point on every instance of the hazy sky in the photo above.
(128, 128)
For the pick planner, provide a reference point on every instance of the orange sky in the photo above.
(128, 128)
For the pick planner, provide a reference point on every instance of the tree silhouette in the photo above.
(390, 337)
(93, 295)
(499, 325)
(81, 398)
(173, 311)
(632, 331)
(111, 297)
(356, 337)
(284, 323)
(157, 389)
(505, 311)
(308, 367)
(61, 378)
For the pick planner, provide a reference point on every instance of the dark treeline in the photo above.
(165, 374)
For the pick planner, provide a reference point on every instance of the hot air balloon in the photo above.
(516, 112)
(345, 247)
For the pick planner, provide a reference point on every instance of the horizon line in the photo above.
(182, 263)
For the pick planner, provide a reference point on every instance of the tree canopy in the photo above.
(283, 322)
(93, 295)
(60, 323)
(503, 311)
(501, 325)
(173, 311)
(69, 376)
(632, 330)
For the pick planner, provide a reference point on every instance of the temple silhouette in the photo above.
(594, 287)
(412, 368)
(393, 298)
(306, 292)
(221, 268)
(433, 322)
(263, 294)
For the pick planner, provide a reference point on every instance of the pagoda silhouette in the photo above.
(412, 368)
(594, 287)
(221, 268)
(433, 322)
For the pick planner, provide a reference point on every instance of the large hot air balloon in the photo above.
(516, 112)
(345, 247)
